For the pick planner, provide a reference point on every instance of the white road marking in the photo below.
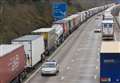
(68, 68)
(32, 75)
(95, 76)
(62, 78)
(73, 60)
(78, 49)
(98, 60)
(96, 68)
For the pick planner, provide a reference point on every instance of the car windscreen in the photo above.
(107, 25)
(49, 65)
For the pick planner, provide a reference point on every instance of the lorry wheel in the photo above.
(42, 57)
(20, 79)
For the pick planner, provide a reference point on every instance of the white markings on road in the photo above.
(79, 49)
(32, 75)
(68, 68)
(98, 60)
(95, 76)
(96, 68)
(62, 78)
(77, 54)
(73, 60)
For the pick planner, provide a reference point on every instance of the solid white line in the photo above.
(68, 68)
(72, 60)
(62, 78)
(32, 75)
(95, 77)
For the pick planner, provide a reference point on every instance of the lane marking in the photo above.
(32, 75)
(96, 68)
(73, 60)
(95, 76)
(97, 60)
(68, 68)
(62, 78)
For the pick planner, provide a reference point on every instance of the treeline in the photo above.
(20, 17)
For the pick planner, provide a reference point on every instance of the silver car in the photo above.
(50, 68)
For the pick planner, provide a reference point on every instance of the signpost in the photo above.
(117, 1)
(59, 10)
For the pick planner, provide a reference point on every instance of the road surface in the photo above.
(78, 57)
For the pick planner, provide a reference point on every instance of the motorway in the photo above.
(117, 31)
(78, 57)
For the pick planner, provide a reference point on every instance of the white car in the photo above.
(50, 68)
(98, 29)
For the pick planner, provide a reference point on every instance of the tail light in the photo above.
(105, 79)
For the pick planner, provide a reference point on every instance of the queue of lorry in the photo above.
(25, 52)
(110, 50)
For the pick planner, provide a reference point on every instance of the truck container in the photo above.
(65, 26)
(115, 11)
(108, 16)
(110, 62)
(12, 63)
(49, 37)
(59, 32)
(70, 22)
(107, 29)
(34, 48)
(83, 16)
(76, 20)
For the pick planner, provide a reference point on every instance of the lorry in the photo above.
(65, 25)
(12, 63)
(59, 32)
(107, 29)
(34, 48)
(110, 62)
(107, 16)
(49, 38)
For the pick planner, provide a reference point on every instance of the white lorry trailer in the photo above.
(34, 48)
(49, 38)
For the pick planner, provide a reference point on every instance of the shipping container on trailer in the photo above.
(80, 19)
(34, 48)
(49, 37)
(115, 11)
(76, 20)
(110, 62)
(70, 23)
(65, 26)
(83, 16)
(107, 29)
(108, 16)
(12, 63)
(59, 32)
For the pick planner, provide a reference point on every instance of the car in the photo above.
(98, 27)
(97, 18)
(49, 68)
(97, 30)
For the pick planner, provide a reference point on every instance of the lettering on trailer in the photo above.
(14, 63)
(59, 10)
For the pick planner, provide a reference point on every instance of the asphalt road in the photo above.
(78, 57)
(117, 31)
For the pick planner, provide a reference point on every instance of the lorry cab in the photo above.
(110, 62)
(107, 29)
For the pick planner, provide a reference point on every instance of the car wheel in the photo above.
(42, 75)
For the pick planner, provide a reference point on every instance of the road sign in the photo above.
(117, 1)
(59, 10)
